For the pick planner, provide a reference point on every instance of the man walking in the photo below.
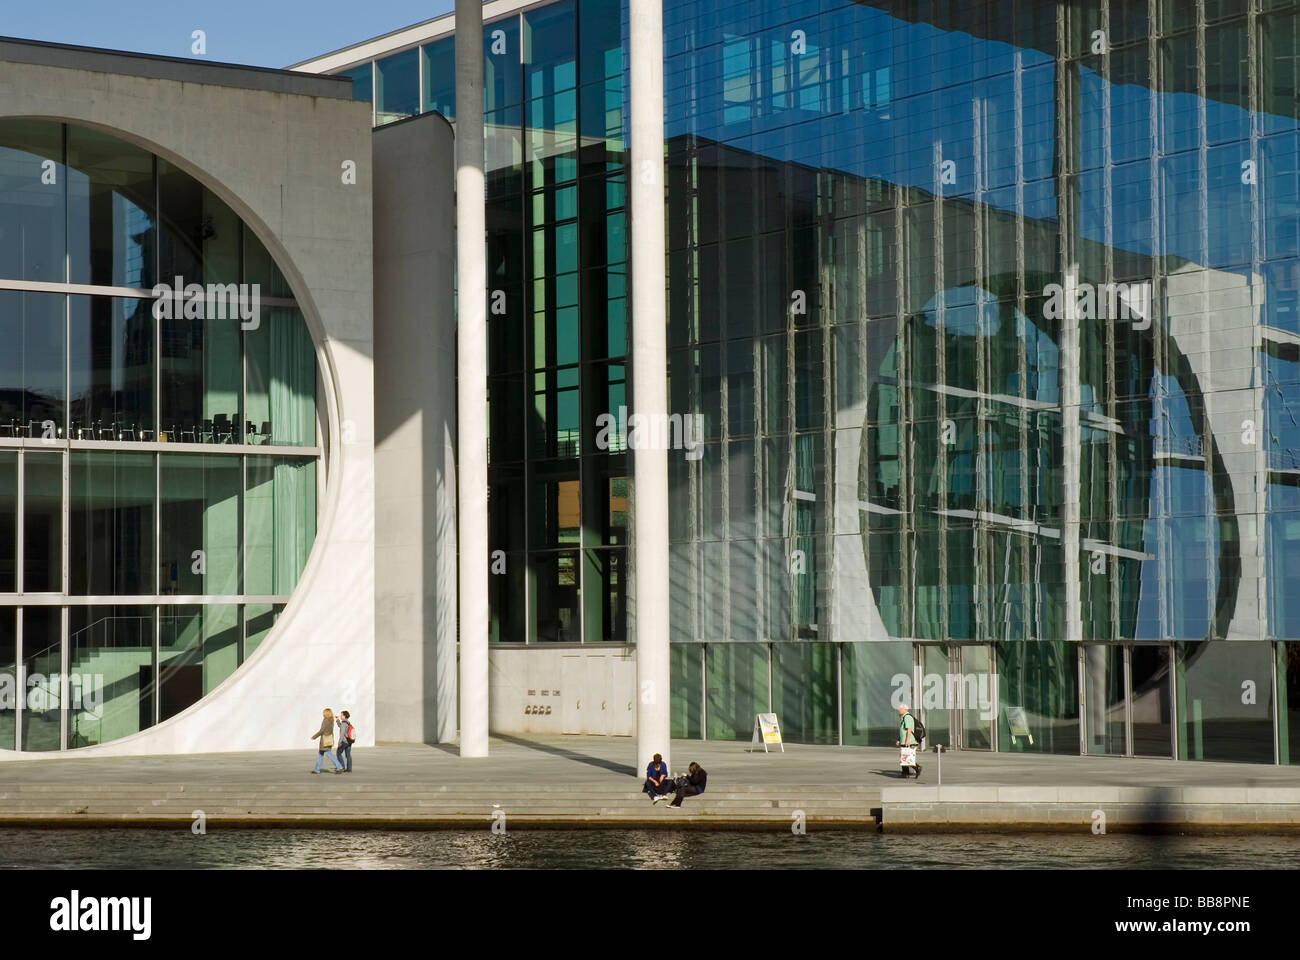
(347, 734)
(907, 742)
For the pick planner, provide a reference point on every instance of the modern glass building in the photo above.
(160, 457)
(989, 311)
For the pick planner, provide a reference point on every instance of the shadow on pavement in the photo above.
(613, 766)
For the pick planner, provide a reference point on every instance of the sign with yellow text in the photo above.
(766, 731)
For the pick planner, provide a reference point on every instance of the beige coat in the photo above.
(326, 734)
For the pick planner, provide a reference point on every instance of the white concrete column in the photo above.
(1071, 452)
(649, 378)
(471, 384)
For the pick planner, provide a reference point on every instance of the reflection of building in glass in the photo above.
(988, 313)
(917, 463)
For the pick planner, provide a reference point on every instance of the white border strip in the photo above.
(408, 37)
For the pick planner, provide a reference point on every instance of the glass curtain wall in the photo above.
(873, 225)
(929, 275)
(170, 440)
(557, 326)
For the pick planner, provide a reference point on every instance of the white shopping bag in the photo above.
(908, 757)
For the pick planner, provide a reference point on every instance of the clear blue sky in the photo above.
(264, 33)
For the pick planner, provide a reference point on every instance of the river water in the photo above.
(276, 849)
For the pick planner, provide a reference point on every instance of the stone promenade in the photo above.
(591, 782)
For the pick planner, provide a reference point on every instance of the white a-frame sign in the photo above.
(766, 730)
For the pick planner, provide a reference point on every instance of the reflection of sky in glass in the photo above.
(1042, 355)
(897, 89)
(1182, 545)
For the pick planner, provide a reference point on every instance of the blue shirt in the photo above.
(654, 771)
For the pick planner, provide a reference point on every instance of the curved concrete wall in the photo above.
(277, 158)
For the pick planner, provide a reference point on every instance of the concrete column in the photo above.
(471, 385)
(1071, 440)
(649, 378)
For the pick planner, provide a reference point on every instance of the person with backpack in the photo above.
(347, 737)
(691, 785)
(910, 734)
(326, 745)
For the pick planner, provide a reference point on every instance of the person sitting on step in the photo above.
(692, 785)
(657, 784)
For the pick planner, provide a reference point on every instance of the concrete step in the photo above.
(494, 797)
(459, 790)
(347, 810)
(421, 807)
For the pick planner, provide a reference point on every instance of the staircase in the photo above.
(334, 800)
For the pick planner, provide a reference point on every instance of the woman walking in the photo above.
(326, 746)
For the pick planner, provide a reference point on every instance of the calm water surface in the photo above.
(609, 849)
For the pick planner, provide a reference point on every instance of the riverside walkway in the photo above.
(590, 782)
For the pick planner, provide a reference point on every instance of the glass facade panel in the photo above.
(555, 578)
(200, 352)
(397, 87)
(9, 507)
(281, 384)
(1288, 702)
(1225, 696)
(502, 58)
(940, 695)
(32, 327)
(1151, 713)
(737, 677)
(112, 211)
(259, 618)
(9, 678)
(279, 523)
(33, 201)
(111, 653)
(804, 691)
(687, 685)
(198, 647)
(1039, 685)
(363, 83)
(199, 525)
(977, 713)
(111, 365)
(42, 668)
(1105, 698)
(876, 678)
(111, 516)
(439, 94)
(42, 522)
